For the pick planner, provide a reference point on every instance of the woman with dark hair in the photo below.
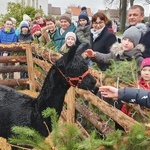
(101, 38)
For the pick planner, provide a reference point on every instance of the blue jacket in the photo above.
(7, 37)
(59, 39)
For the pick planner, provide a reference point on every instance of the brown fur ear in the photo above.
(140, 47)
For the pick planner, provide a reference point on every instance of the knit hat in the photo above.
(67, 16)
(134, 33)
(13, 20)
(145, 62)
(26, 17)
(70, 34)
(24, 24)
(83, 14)
(35, 27)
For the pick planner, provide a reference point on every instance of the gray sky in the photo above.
(93, 4)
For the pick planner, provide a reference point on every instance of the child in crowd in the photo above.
(70, 40)
(126, 50)
(25, 18)
(25, 34)
(49, 30)
(7, 35)
(36, 33)
(39, 20)
(144, 81)
(83, 27)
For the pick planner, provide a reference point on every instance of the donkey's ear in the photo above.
(71, 53)
(82, 47)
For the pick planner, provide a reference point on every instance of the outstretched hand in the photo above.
(90, 53)
(109, 91)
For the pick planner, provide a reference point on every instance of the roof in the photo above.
(54, 10)
(76, 10)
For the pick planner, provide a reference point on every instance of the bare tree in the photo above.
(131, 2)
(123, 9)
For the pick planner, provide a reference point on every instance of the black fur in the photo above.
(17, 109)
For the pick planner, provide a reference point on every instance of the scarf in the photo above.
(144, 85)
(96, 33)
(62, 31)
(7, 30)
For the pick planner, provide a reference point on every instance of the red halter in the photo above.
(78, 79)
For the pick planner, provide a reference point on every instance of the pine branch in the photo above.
(125, 70)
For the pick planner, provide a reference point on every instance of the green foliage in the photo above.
(51, 45)
(137, 138)
(126, 71)
(16, 10)
(26, 136)
(68, 137)
(94, 143)
(50, 112)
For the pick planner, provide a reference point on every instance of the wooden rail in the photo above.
(19, 53)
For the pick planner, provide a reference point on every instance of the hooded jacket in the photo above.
(118, 54)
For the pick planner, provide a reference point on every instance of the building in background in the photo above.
(54, 11)
(37, 4)
(112, 14)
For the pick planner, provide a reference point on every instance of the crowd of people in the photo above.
(99, 36)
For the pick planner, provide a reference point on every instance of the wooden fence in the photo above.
(41, 57)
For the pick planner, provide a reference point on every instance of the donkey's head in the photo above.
(74, 68)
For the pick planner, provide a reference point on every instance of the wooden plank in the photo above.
(63, 117)
(14, 82)
(122, 119)
(12, 59)
(70, 99)
(30, 68)
(45, 54)
(9, 69)
(42, 64)
(94, 118)
(12, 47)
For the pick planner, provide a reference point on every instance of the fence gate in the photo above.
(19, 60)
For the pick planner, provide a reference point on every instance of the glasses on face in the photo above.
(9, 24)
(98, 23)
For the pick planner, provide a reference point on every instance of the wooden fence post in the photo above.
(70, 99)
(30, 67)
